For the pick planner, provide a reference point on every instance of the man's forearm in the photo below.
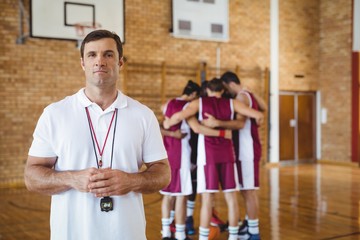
(154, 178)
(175, 119)
(231, 124)
(46, 180)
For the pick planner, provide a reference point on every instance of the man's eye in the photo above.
(109, 55)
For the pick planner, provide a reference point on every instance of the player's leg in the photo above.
(190, 205)
(165, 216)
(233, 214)
(251, 230)
(250, 184)
(180, 213)
(205, 215)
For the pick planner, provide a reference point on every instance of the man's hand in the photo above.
(166, 123)
(210, 121)
(81, 179)
(259, 120)
(110, 182)
(178, 134)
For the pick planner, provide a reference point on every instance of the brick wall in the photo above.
(335, 78)
(299, 47)
(31, 76)
(42, 71)
(315, 42)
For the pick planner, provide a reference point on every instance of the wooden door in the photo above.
(297, 126)
(287, 132)
(306, 126)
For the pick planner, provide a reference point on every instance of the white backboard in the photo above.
(201, 19)
(57, 18)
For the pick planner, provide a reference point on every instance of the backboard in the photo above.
(201, 19)
(57, 19)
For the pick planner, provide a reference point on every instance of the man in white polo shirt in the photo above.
(88, 150)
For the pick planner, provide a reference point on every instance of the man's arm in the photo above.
(241, 108)
(175, 134)
(41, 177)
(110, 182)
(189, 111)
(207, 131)
(261, 102)
(212, 122)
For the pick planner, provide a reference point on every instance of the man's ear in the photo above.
(121, 62)
(82, 63)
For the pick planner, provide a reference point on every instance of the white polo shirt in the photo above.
(63, 132)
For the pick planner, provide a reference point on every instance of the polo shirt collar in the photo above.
(120, 101)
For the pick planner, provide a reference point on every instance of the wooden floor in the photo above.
(297, 202)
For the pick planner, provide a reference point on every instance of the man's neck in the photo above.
(102, 97)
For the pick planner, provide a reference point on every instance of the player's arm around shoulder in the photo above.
(261, 102)
(234, 124)
(41, 177)
(243, 109)
(207, 131)
(191, 109)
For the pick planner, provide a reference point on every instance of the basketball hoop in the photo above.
(83, 29)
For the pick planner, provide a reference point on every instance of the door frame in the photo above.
(317, 125)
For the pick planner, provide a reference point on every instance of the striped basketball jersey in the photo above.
(213, 150)
(249, 142)
(178, 150)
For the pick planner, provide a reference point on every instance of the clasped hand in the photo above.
(107, 182)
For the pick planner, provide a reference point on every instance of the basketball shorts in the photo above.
(248, 174)
(211, 176)
(180, 184)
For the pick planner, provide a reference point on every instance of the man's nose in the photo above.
(100, 61)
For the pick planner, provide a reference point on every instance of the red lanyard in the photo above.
(93, 136)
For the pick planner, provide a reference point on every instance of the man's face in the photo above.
(230, 87)
(193, 96)
(101, 62)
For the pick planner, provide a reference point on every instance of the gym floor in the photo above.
(310, 201)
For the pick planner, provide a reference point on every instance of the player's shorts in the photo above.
(180, 184)
(248, 173)
(210, 176)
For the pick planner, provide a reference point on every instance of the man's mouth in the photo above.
(100, 71)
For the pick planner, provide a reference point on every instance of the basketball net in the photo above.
(83, 29)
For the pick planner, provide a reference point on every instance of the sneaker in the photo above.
(185, 238)
(189, 225)
(243, 228)
(249, 236)
(254, 237)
